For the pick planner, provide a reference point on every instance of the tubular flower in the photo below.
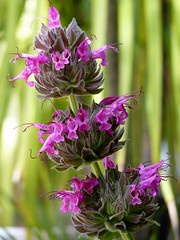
(119, 204)
(54, 18)
(76, 140)
(32, 66)
(72, 198)
(60, 60)
(108, 162)
(85, 54)
(150, 177)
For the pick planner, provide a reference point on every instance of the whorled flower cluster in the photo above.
(121, 203)
(94, 132)
(65, 63)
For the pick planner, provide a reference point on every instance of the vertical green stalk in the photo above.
(154, 75)
(126, 37)
(98, 172)
(73, 103)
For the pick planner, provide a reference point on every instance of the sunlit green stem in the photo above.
(98, 171)
(127, 236)
(73, 103)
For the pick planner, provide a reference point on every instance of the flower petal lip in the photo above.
(32, 66)
(54, 18)
(60, 60)
(72, 198)
(108, 163)
(84, 52)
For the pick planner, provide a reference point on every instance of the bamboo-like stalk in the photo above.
(154, 91)
(174, 117)
(6, 161)
(153, 87)
(126, 37)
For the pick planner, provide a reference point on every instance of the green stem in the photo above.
(127, 236)
(98, 171)
(73, 103)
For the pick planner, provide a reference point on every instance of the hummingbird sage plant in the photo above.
(106, 204)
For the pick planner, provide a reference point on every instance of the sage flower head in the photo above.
(121, 203)
(76, 140)
(65, 62)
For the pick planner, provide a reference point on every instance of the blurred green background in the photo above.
(149, 57)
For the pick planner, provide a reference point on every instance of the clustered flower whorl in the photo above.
(94, 132)
(65, 63)
(65, 74)
(120, 202)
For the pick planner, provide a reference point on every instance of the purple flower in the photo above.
(82, 120)
(55, 131)
(32, 66)
(76, 184)
(72, 127)
(60, 60)
(86, 184)
(108, 163)
(149, 181)
(136, 192)
(43, 129)
(101, 53)
(84, 52)
(150, 177)
(117, 109)
(108, 100)
(89, 184)
(54, 18)
(102, 117)
(113, 108)
(71, 199)
(48, 146)
(70, 203)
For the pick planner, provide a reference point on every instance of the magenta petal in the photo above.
(60, 60)
(54, 17)
(83, 51)
(100, 53)
(107, 162)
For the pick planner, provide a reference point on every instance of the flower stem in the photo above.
(126, 236)
(73, 103)
(98, 171)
